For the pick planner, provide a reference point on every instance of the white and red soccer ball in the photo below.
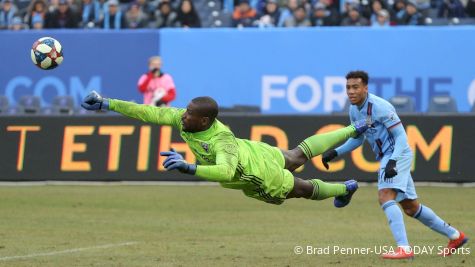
(47, 53)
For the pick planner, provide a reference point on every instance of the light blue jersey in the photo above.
(384, 117)
(388, 140)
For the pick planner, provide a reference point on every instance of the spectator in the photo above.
(7, 13)
(135, 17)
(37, 22)
(451, 9)
(376, 6)
(165, 16)
(354, 18)
(37, 10)
(17, 24)
(411, 16)
(91, 14)
(398, 11)
(244, 15)
(470, 8)
(270, 15)
(423, 6)
(324, 15)
(158, 88)
(187, 17)
(287, 12)
(62, 17)
(113, 17)
(299, 18)
(382, 19)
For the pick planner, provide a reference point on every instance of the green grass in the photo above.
(209, 226)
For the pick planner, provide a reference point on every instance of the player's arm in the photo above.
(226, 150)
(393, 124)
(350, 145)
(146, 113)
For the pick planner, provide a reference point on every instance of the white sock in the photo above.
(456, 235)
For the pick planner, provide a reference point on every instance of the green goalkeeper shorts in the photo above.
(262, 175)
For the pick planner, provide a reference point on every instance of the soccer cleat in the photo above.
(351, 187)
(399, 254)
(454, 244)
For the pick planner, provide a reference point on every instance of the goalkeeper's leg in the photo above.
(316, 189)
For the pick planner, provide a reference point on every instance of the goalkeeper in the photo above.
(258, 169)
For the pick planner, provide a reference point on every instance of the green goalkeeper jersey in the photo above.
(221, 155)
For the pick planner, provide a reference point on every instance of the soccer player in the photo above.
(388, 140)
(258, 169)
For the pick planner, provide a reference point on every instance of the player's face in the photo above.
(356, 91)
(192, 120)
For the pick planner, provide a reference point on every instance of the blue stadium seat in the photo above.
(4, 104)
(403, 103)
(442, 104)
(29, 104)
(63, 105)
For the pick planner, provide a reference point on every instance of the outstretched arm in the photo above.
(157, 115)
(350, 145)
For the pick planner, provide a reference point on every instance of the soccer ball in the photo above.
(47, 53)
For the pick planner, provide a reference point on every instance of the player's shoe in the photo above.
(399, 254)
(351, 187)
(362, 125)
(454, 244)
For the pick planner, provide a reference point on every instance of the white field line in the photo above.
(74, 250)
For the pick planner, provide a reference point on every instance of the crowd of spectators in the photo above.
(132, 14)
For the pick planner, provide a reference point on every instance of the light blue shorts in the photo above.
(402, 182)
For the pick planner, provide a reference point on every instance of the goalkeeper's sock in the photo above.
(322, 190)
(396, 222)
(428, 217)
(319, 143)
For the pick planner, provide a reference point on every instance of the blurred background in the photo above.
(274, 64)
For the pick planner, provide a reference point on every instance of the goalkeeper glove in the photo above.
(94, 101)
(175, 161)
(328, 156)
(390, 171)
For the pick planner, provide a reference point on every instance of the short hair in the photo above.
(363, 75)
(208, 107)
(154, 58)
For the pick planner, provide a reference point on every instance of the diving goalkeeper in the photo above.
(258, 169)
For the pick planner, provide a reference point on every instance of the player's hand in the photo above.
(390, 171)
(94, 101)
(175, 161)
(328, 156)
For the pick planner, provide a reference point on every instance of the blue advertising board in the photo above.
(292, 71)
(106, 61)
(303, 70)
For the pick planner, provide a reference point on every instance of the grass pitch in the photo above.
(209, 226)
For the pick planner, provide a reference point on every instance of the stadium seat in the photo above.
(473, 108)
(442, 103)
(29, 104)
(4, 104)
(63, 105)
(403, 103)
(246, 109)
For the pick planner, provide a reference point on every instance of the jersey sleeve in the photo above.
(226, 149)
(157, 115)
(387, 116)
